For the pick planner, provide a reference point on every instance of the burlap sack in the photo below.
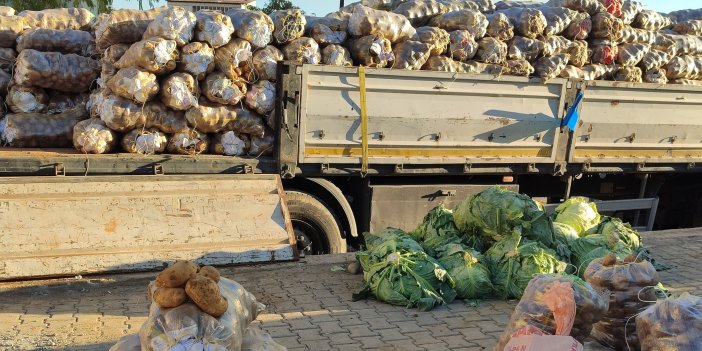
(91, 136)
(656, 75)
(7, 59)
(628, 74)
(134, 84)
(230, 58)
(262, 145)
(7, 11)
(521, 48)
(436, 37)
(491, 50)
(67, 41)
(527, 22)
(550, 67)
(73, 18)
(213, 28)
(684, 67)
(197, 59)
(606, 26)
(42, 130)
(654, 59)
(693, 27)
(500, 27)
(264, 64)
(419, 12)
(174, 23)
(155, 55)
(179, 91)
(302, 50)
(109, 57)
(60, 102)
(411, 55)
(630, 9)
(473, 21)
(579, 28)
(123, 26)
(52, 70)
(394, 27)
(261, 97)
(222, 90)
(230, 144)
(254, 26)
(590, 6)
(188, 143)
(144, 141)
(651, 20)
(11, 27)
(462, 46)
(211, 117)
(26, 99)
(631, 54)
(336, 55)
(288, 25)
(371, 51)
(326, 31)
(519, 67)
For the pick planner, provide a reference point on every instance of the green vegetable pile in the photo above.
(490, 246)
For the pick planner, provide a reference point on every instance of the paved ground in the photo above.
(309, 307)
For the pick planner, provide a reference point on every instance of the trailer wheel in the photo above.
(316, 229)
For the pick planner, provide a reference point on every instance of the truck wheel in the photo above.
(316, 229)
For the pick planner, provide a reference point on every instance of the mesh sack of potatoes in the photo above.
(686, 44)
(654, 59)
(135, 84)
(579, 53)
(94, 101)
(263, 64)
(211, 117)
(168, 121)
(60, 102)
(572, 72)
(604, 53)
(63, 18)
(692, 27)
(179, 91)
(590, 6)
(52, 70)
(174, 23)
(411, 55)
(5, 81)
(230, 58)
(684, 67)
(262, 145)
(366, 21)
(483, 68)
(630, 9)
(230, 144)
(123, 26)
(519, 67)
(655, 75)
(7, 59)
(191, 142)
(471, 20)
(686, 15)
(213, 27)
(25, 99)
(371, 51)
(462, 46)
(7, 11)
(491, 50)
(336, 55)
(67, 41)
(557, 19)
(218, 88)
(524, 49)
(636, 35)
(343, 13)
(288, 25)
(627, 74)
(302, 50)
(91, 136)
(436, 37)
(598, 71)
(120, 114)
(441, 64)
(527, 22)
(665, 43)
(196, 59)
(247, 122)
(419, 12)
(499, 26)
(672, 324)
(156, 55)
(579, 28)
(261, 97)
(254, 26)
(686, 82)
(651, 20)
(107, 63)
(606, 26)
(381, 4)
(551, 67)
(325, 30)
(42, 130)
(11, 27)
(144, 141)
(631, 54)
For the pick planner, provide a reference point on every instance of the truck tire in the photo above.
(316, 229)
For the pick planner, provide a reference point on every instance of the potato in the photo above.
(169, 297)
(609, 260)
(205, 294)
(176, 275)
(209, 272)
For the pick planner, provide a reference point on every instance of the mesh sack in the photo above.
(129, 342)
(197, 59)
(527, 22)
(144, 141)
(606, 26)
(5, 81)
(572, 72)
(258, 340)
(635, 35)
(519, 67)
(210, 117)
(7, 11)
(254, 26)
(135, 84)
(366, 21)
(551, 67)
(411, 55)
(491, 50)
(664, 43)
(628, 74)
(556, 45)
(598, 71)
(630, 9)
(673, 324)
(471, 20)
(685, 45)
(123, 26)
(462, 46)
(107, 62)
(686, 15)
(230, 58)
(604, 53)
(343, 13)
(155, 55)
(336, 55)
(261, 97)
(187, 143)
(630, 293)
(654, 59)
(557, 19)
(288, 25)
(693, 27)
(505, 4)
(213, 27)
(220, 89)
(631, 54)
(42, 130)
(262, 145)
(441, 64)
(651, 20)
(381, 4)
(24, 99)
(684, 67)
(11, 27)
(536, 308)
(60, 102)
(264, 64)
(7, 59)
(686, 82)
(91, 136)
(579, 53)
(230, 144)
(302, 50)
(173, 23)
(120, 114)
(326, 31)
(73, 18)
(590, 6)
(165, 119)
(436, 37)
(521, 48)
(179, 91)
(67, 41)
(94, 101)
(52, 70)
(499, 26)
(247, 122)
(482, 68)
(579, 28)
(419, 12)
(371, 51)
(656, 75)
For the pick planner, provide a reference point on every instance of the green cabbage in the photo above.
(438, 222)
(594, 246)
(616, 230)
(578, 213)
(402, 239)
(471, 277)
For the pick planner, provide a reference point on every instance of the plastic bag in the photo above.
(210, 117)
(371, 51)
(144, 141)
(499, 26)
(411, 55)
(262, 145)
(231, 57)
(261, 97)
(94, 101)
(651, 20)
(684, 67)
(11, 27)
(7, 11)
(672, 324)
(42, 130)
(491, 50)
(418, 12)
(60, 102)
(527, 22)
(197, 59)
(179, 91)
(471, 20)
(462, 46)
(135, 84)
(24, 99)
(692, 27)
(630, 9)
(7, 59)
(123, 26)
(606, 26)
(52, 70)
(654, 59)
(71, 18)
(288, 25)
(579, 28)
(604, 53)
(265, 64)
(521, 48)
(336, 55)
(91, 136)
(519, 68)
(631, 54)
(551, 67)
(220, 89)
(631, 291)
(436, 37)
(155, 55)
(230, 144)
(628, 74)
(302, 50)
(590, 6)
(557, 19)
(110, 56)
(174, 23)
(326, 30)
(187, 143)
(213, 28)
(366, 21)
(257, 340)
(67, 41)
(127, 343)
(254, 26)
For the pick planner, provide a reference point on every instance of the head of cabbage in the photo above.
(578, 214)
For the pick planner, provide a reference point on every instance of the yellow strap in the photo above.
(364, 120)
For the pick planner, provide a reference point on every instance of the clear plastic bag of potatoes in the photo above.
(336, 55)
(220, 89)
(191, 142)
(371, 51)
(155, 55)
(327, 31)
(174, 23)
(135, 84)
(144, 141)
(67, 41)
(91, 136)
(211, 117)
(247, 122)
(419, 12)
(197, 59)
(462, 46)
(120, 114)
(123, 26)
(168, 121)
(303, 50)
(288, 25)
(436, 37)
(254, 26)
(261, 97)
(52, 70)
(672, 324)
(230, 144)
(213, 27)
(38, 130)
(411, 55)
(367, 21)
(179, 91)
(111, 55)
(471, 20)
(24, 99)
